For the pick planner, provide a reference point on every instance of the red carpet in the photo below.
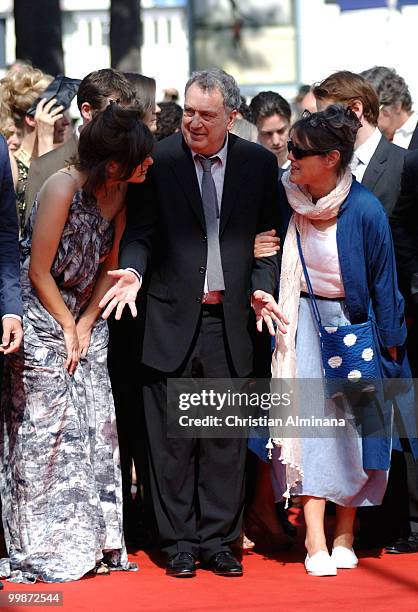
(381, 582)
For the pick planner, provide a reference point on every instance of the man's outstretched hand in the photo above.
(267, 310)
(123, 292)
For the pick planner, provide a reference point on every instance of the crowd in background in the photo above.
(79, 198)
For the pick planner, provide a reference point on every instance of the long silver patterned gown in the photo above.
(60, 475)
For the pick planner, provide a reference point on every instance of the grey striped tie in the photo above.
(214, 271)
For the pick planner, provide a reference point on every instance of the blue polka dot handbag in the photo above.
(348, 351)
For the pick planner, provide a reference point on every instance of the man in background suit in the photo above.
(272, 116)
(400, 125)
(190, 230)
(376, 163)
(10, 299)
(404, 224)
(94, 93)
(397, 120)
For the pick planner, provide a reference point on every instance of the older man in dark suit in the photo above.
(191, 230)
(10, 299)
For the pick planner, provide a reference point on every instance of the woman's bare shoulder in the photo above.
(65, 182)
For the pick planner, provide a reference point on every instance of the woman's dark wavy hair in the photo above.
(116, 134)
(334, 128)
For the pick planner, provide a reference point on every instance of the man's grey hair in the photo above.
(390, 87)
(215, 78)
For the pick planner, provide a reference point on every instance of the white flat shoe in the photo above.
(320, 564)
(344, 558)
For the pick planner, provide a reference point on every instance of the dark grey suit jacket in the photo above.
(414, 140)
(404, 223)
(165, 237)
(383, 173)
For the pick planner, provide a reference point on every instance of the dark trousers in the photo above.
(1, 386)
(398, 514)
(411, 465)
(412, 477)
(197, 485)
(123, 364)
(410, 525)
(397, 517)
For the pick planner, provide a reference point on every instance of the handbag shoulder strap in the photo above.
(308, 284)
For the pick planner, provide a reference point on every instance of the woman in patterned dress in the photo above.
(60, 477)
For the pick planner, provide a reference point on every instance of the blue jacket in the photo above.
(10, 299)
(368, 270)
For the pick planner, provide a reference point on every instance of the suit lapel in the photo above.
(376, 165)
(185, 171)
(235, 173)
(414, 140)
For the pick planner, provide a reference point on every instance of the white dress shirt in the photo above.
(403, 135)
(218, 170)
(218, 174)
(363, 154)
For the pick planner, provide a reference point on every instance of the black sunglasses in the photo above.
(299, 153)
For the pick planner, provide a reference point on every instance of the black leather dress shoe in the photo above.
(181, 565)
(224, 564)
(403, 545)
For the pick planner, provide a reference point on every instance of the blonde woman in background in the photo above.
(18, 91)
(10, 132)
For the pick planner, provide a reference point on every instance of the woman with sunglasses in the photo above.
(347, 247)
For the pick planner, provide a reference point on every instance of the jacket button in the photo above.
(204, 238)
(202, 270)
(198, 300)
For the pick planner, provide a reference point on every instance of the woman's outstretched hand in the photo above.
(123, 292)
(267, 310)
